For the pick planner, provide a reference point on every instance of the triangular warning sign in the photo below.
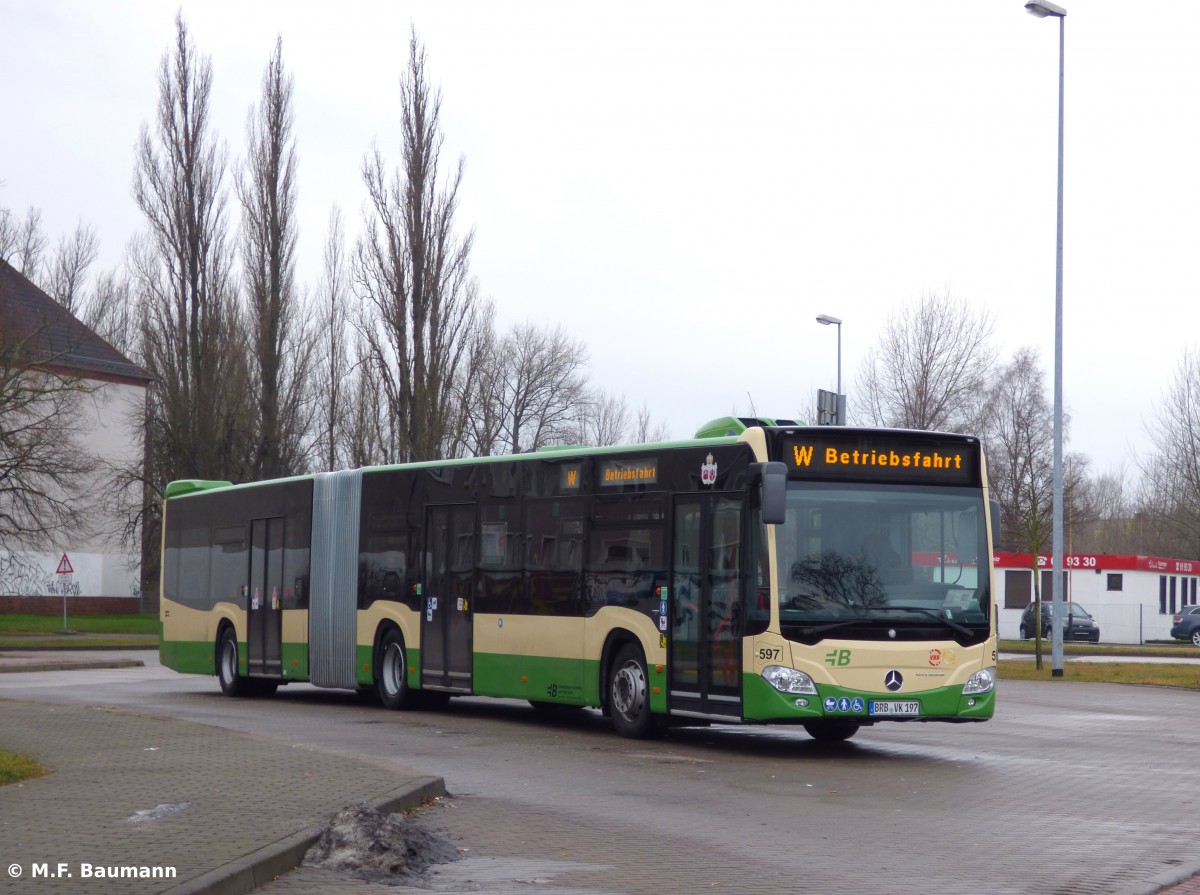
(64, 566)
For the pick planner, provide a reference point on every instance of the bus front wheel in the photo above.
(232, 683)
(391, 673)
(629, 695)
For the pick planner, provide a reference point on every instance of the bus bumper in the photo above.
(763, 703)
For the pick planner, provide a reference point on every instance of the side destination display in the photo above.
(881, 457)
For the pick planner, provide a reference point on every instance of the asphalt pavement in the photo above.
(166, 806)
(172, 806)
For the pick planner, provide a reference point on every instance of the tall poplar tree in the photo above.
(267, 190)
(412, 270)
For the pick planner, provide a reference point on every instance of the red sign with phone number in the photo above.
(1102, 562)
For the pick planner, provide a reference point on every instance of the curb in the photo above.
(272, 861)
(14, 646)
(10, 665)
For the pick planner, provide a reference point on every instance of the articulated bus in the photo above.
(764, 572)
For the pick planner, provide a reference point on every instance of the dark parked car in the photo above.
(1186, 624)
(1078, 624)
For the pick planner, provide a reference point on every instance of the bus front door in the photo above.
(706, 607)
(264, 617)
(446, 622)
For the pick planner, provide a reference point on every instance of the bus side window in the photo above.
(500, 579)
(757, 586)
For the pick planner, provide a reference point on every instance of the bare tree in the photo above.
(646, 431)
(412, 271)
(932, 362)
(43, 468)
(110, 311)
(1170, 487)
(543, 387)
(199, 420)
(332, 366)
(479, 384)
(267, 190)
(22, 242)
(607, 420)
(1018, 439)
(66, 272)
(1099, 512)
(370, 432)
(1019, 444)
(604, 420)
(192, 342)
(9, 227)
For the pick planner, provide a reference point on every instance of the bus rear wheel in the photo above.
(831, 733)
(391, 672)
(629, 695)
(232, 683)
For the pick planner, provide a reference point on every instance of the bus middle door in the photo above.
(264, 617)
(706, 607)
(446, 640)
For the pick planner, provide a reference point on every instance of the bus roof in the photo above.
(186, 487)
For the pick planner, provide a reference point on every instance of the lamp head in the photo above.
(826, 320)
(1043, 8)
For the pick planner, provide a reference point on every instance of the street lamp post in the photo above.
(1043, 9)
(826, 320)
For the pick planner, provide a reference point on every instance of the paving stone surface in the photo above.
(130, 791)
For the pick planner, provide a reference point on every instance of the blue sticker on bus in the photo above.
(830, 704)
(844, 704)
(857, 705)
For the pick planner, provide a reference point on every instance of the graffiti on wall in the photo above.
(25, 574)
(63, 586)
(21, 578)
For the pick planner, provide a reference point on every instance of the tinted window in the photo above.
(230, 560)
(554, 551)
(627, 556)
(500, 557)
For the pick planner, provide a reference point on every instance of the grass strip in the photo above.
(1144, 673)
(14, 768)
(22, 623)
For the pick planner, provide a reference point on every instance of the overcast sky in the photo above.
(686, 186)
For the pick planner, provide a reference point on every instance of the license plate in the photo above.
(908, 709)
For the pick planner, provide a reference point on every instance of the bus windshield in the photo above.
(875, 553)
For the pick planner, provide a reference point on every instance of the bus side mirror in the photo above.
(994, 508)
(773, 484)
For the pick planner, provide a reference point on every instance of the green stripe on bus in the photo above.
(539, 678)
(295, 661)
(764, 703)
(189, 657)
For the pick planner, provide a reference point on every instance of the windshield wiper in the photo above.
(948, 622)
(822, 629)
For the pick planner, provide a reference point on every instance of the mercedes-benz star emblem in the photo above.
(893, 680)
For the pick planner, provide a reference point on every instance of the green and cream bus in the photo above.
(764, 572)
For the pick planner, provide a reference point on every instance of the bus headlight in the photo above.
(789, 680)
(981, 681)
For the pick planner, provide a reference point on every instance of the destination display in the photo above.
(628, 472)
(815, 455)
